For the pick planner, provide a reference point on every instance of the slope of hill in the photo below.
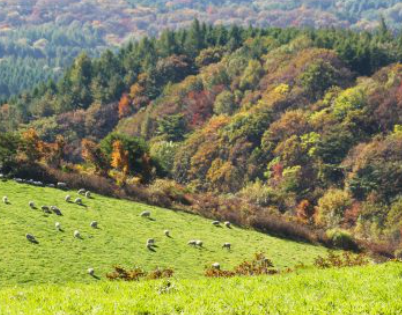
(348, 291)
(120, 240)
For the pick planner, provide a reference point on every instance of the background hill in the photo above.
(38, 37)
(246, 122)
(120, 240)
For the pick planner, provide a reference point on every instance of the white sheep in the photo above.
(31, 238)
(167, 233)
(228, 224)
(78, 201)
(216, 223)
(68, 198)
(77, 234)
(61, 185)
(88, 194)
(227, 246)
(91, 272)
(31, 205)
(5, 199)
(192, 243)
(145, 214)
(199, 243)
(216, 265)
(57, 226)
(94, 225)
(46, 209)
(81, 191)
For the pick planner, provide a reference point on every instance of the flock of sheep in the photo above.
(150, 244)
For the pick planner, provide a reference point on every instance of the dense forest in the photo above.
(39, 38)
(303, 123)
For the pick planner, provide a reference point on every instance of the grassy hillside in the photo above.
(121, 239)
(367, 290)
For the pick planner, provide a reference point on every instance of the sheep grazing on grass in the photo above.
(56, 210)
(216, 223)
(77, 234)
(216, 265)
(31, 238)
(68, 198)
(167, 233)
(78, 201)
(61, 185)
(151, 244)
(81, 191)
(94, 224)
(192, 243)
(31, 205)
(88, 195)
(5, 200)
(228, 224)
(57, 226)
(151, 241)
(227, 246)
(46, 210)
(145, 214)
(199, 243)
(91, 272)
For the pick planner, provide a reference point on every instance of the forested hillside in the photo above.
(38, 37)
(302, 124)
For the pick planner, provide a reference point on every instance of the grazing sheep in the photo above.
(31, 238)
(94, 224)
(216, 265)
(228, 224)
(199, 243)
(227, 246)
(46, 210)
(145, 214)
(31, 205)
(151, 241)
(5, 199)
(56, 210)
(77, 234)
(61, 185)
(167, 233)
(192, 243)
(91, 272)
(81, 191)
(51, 186)
(58, 226)
(68, 198)
(78, 201)
(88, 195)
(216, 223)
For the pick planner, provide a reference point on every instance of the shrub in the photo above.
(398, 254)
(138, 273)
(346, 259)
(342, 239)
(260, 265)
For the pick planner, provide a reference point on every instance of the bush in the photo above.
(138, 273)
(342, 239)
(345, 259)
(398, 254)
(260, 265)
